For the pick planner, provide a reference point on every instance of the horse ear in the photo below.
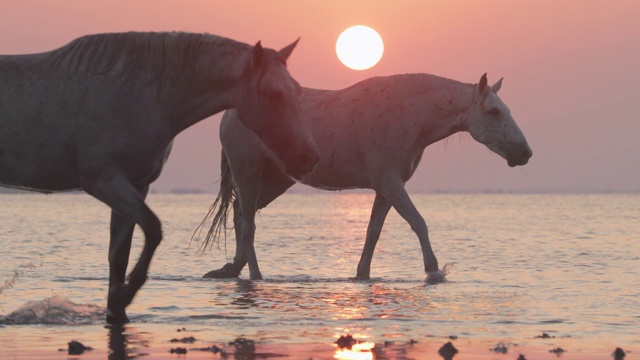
(482, 84)
(497, 85)
(257, 54)
(286, 51)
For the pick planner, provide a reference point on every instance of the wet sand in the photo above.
(184, 345)
(326, 351)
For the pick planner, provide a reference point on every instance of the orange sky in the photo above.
(572, 79)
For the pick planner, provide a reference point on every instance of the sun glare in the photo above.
(359, 351)
(359, 47)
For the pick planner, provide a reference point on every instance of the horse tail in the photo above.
(219, 210)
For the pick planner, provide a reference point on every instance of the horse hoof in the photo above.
(436, 277)
(226, 272)
(362, 277)
(119, 298)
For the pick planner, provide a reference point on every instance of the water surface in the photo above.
(566, 265)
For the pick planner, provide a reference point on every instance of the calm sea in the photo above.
(565, 265)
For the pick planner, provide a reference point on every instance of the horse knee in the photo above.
(137, 280)
(153, 232)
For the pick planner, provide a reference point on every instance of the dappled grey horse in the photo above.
(371, 135)
(100, 114)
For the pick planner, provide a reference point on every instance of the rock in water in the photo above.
(77, 348)
(448, 351)
(619, 354)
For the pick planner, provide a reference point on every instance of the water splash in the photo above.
(10, 281)
(14, 277)
(56, 310)
(439, 276)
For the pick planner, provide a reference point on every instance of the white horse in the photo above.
(100, 115)
(370, 135)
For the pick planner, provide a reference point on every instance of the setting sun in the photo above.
(359, 47)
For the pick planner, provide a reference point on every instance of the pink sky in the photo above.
(572, 79)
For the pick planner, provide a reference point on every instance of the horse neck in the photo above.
(214, 89)
(446, 112)
(188, 76)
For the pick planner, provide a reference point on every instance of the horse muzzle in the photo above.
(302, 163)
(521, 158)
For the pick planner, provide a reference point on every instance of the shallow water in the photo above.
(566, 265)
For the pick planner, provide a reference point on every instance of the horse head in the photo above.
(491, 124)
(269, 107)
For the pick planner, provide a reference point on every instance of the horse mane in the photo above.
(422, 80)
(154, 55)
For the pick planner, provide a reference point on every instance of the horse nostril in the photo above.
(527, 153)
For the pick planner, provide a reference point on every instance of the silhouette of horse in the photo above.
(370, 135)
(100, 114)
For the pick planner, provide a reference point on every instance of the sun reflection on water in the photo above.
(359, 351)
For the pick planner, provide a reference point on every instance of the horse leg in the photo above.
(240, 259)
(272, 184)
(114, 189)
(379, 213)
(232, 270)
(393, 190)
(119, 250)
(269, 191)
(247, 228)
(256, 190)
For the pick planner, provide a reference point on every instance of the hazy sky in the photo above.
(571, 69)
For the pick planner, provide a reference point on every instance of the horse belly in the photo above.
(336, 184)
(37, 165)
(338, 175)
(42, 179)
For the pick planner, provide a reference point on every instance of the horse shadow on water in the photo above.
(100, 115)
(371, 135)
